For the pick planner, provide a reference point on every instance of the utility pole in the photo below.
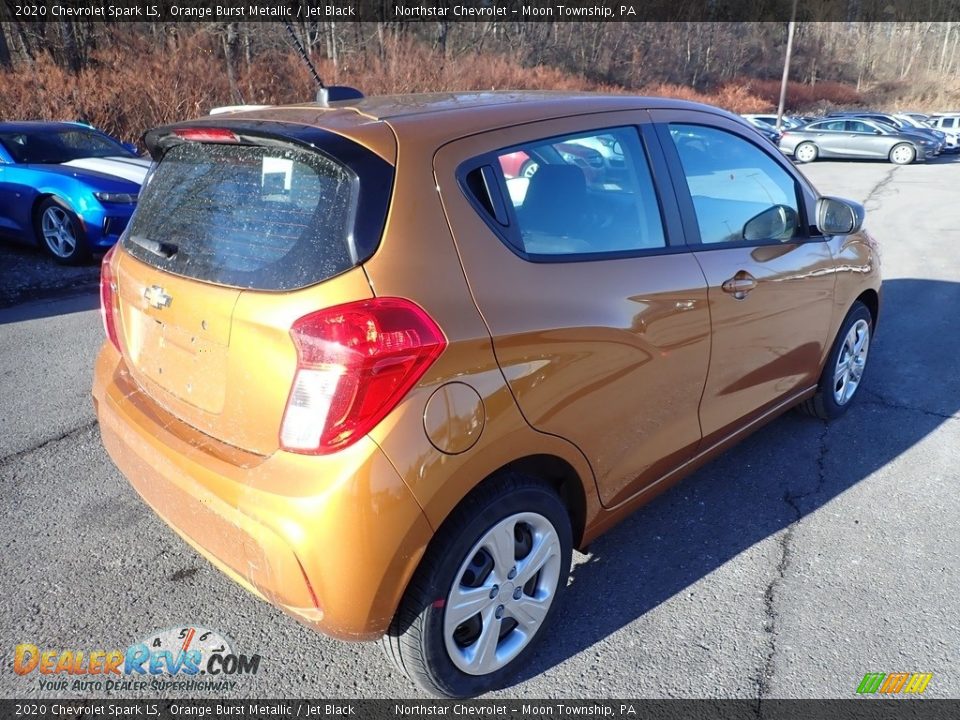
(786, 65)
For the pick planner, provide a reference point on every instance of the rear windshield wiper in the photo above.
(165, 250)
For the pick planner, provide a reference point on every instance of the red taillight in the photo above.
(355, 362)
(202, 134)
(108, 299)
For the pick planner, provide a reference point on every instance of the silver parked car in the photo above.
(856, 138)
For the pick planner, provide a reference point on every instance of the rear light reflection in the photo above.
(108, 299)
(355, 363)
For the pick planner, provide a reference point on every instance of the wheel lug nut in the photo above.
(499, 612)
(513, 573)
(494, 591)
(517, 593)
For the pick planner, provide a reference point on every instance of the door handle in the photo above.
(739, 285)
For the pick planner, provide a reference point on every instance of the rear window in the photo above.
(263, 217)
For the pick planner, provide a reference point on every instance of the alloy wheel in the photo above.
(806, 153)
(502, 592)
(57, 229)
(903, 154)
(851, 362)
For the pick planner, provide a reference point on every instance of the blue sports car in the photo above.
(66, 186)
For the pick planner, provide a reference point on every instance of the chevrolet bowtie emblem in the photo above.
(156, 297)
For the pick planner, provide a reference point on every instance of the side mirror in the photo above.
(878, 132)
(836, 216)
(774, 223)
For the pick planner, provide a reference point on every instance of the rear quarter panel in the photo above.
(417, 259)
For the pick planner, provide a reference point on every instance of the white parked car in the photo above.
(949, 125)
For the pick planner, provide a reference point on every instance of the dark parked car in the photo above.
(764, 128)
(787, 121)
(67, 187)
(853, 137)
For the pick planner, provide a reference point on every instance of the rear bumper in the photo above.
(331, 540)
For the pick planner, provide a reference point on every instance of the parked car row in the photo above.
(901, 138)
(857, 138)
(71, 189)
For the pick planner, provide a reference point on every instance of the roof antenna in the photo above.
(325, 95)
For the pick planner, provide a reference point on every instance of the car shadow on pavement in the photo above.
(768, 482)
(33, 285)
(52, 304)
(941, 159)
(946, 159)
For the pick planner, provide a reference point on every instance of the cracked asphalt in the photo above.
(810, 554)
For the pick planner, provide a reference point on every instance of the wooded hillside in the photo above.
(127, 77)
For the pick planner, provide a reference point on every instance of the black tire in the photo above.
(529, 168)
(899, 156)
(797, 152)
(79, 253)
(415, 642)
(824, 404)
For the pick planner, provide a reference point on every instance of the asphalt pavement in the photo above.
(802, 559)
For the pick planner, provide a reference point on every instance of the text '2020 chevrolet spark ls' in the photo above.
(387, 362)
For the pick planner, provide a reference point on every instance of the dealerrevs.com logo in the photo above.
(198, 659)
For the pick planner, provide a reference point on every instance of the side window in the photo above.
(948, 122)
(586, 193)
(858, 127)
(740, 194)
(833, 126)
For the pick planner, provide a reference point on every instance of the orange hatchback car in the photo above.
(388, 385)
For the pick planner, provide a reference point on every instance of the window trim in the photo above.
(509, 234)
(819, 126)
(804, 192)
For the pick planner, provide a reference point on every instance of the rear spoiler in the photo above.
(225, 128)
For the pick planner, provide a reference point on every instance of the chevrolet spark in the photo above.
(387, 382)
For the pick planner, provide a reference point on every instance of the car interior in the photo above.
(570, 206)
